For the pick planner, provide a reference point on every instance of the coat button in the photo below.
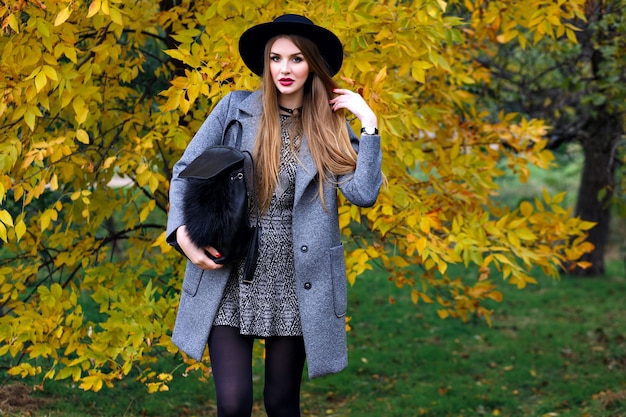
(307, 285)
(304, 248)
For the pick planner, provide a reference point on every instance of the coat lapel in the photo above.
(306, 171)
(249, 114)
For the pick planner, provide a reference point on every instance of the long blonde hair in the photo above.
(325, 131)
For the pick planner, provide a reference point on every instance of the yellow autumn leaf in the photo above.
(44, 220)
(24, 370)
(82, 136)
(30, 117)
(372, 252)
(525, 234)
(380, 76)
(507, 36)
(166, 377)
(3, 233)
(496, 296)
(81, 109)
(193, 92)
(426, 298)
(184, 104)
(108, 162)
(64, 373)
(425, 224)
(344, 217)
(161, 241)
(571, 35)
(50, 72)
(558, 198)
(147, 209)
(91, 383)
(177, 54)
(584, 225)
(514, 239)
(526, 208)
(5, 217)
(418, 74)
(12, 22)
(94, 7)
(70, 53)
(399, 261)
(54, 182)
(20, 229)
(40, 81)
(153, 387)
(442, 266)
(116, 16)
(63, 15)
(421, 243)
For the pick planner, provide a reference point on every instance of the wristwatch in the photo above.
(369, 130)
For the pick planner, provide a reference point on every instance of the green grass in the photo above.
(555, 349)
(551, 350)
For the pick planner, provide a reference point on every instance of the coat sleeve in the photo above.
(209, 134)
(362, 186)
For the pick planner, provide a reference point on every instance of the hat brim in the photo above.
(252, 43)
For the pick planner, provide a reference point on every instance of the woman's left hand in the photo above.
(354, 103)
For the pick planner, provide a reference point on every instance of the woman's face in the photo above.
(288, 68)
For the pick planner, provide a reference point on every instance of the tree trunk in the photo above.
(597, 185)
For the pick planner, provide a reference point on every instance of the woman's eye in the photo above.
(298, 59)
(275, 58)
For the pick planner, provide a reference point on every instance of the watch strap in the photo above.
(369, 130)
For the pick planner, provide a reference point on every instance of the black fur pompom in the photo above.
(215, 213)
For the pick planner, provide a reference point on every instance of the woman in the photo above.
(303, 152)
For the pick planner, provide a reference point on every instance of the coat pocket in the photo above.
(339, 279)
(191, 282)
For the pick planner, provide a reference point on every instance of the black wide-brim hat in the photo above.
(252, 42)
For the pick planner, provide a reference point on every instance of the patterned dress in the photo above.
(268, 306)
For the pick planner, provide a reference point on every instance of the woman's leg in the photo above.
(231, 362)
(284, 362)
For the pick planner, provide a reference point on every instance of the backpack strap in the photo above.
(253, 250)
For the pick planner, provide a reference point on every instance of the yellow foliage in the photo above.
(101, 90)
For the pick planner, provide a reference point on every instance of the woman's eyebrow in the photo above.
(276, 53)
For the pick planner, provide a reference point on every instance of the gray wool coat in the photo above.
(318, 251)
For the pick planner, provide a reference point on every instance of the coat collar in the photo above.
(252, 105)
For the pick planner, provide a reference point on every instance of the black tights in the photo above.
(231, 360)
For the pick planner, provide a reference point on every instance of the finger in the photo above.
(213, 252)
(210, 265)
(341, 91)
(204, 262)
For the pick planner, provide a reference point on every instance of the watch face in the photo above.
(369, 130)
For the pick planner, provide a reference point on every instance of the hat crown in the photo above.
(293, 18)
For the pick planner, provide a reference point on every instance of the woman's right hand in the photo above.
(196, 255)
